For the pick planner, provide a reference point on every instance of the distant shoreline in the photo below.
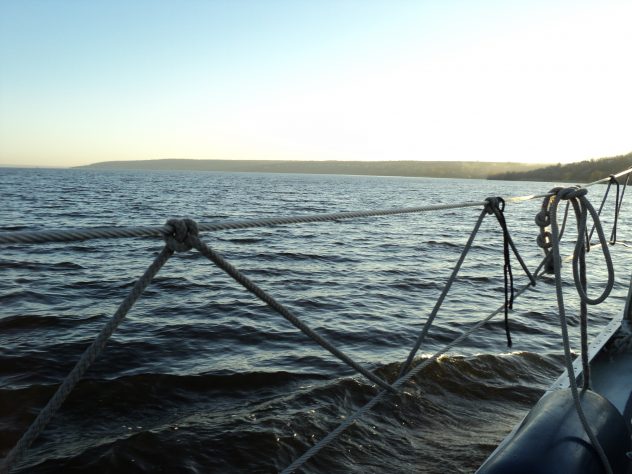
(429, 169)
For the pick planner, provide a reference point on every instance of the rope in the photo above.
(398, 384)
(492, 206)
(85, 361)
(603, 180)
(582, 207)
(497, 207)
(68, 235)
(618, 204)
(192, 240)
(612, 181)
(444, 292)
(181, 235)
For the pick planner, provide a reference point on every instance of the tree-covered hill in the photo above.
(581, 172)
(434, 169)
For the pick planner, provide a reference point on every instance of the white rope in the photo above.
(253, 288)
(68, 235)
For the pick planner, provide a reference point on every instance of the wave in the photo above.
(261, 421)
(37, 266)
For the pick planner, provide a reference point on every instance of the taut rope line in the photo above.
(68, 235)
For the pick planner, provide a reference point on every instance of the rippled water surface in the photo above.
(202, 377)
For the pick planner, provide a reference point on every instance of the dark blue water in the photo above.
(202, 377)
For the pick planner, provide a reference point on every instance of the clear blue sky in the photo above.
(541, 81)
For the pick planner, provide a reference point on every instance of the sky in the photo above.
(529, 81)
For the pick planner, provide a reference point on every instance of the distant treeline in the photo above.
(433, 169)
(582, 172)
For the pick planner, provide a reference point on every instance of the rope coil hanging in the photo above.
(548, 215)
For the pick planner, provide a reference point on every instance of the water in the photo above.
(202, 377)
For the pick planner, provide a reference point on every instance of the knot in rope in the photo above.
(572, 192)
(617, 207)
(543, 220)
(494, 204)
(179, 237)
(548, 240)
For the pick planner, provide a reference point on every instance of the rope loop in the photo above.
(543, 219)
(583, 209)
(179, 238)
(544, 240)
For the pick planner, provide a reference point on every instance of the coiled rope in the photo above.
(582, 207)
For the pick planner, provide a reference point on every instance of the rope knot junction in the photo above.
(572, 192)
(494, 203)
(179, 236)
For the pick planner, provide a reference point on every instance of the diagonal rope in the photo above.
(497, 207)
(492, 206)
(444, 293)
(398, 384)
(618, 204)
(86, 359)
(612, 181)
(253, 288)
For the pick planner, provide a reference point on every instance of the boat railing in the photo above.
(182, 235)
